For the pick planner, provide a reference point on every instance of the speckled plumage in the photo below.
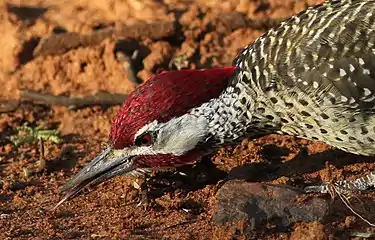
(312, 77)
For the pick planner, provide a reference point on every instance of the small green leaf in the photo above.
(26, 134)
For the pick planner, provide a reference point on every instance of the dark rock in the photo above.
(18, 186)
(257, 204)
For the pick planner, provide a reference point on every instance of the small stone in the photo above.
(161, 53)
(258, 204)
(27, 172)
(350, 221)
(72, 235)
(94, 235)
(64, 214)
(18, 186)
(189, 16)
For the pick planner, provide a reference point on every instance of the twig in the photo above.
(8, 105)
(42, 160)
(60, 43)
(235, 20)
(334, 190)
(330, 183)
(100, 98)
(344, 199)
(264, 23)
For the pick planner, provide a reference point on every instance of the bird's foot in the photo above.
(142, 188)
(324, 188)
(345, 192)
(359, 184)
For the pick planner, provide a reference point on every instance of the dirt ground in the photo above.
(180, 205)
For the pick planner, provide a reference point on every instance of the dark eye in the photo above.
(143, 140)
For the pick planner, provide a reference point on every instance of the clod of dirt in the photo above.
(77, 73)
(309, 231)
(9, 42)
(258, 204)
(161, 53)
(11, 46)
(190, 16)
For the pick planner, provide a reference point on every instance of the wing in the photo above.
(314, 75)
(326, 52)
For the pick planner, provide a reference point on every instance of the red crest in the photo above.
(166, 95)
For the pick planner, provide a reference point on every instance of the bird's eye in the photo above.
(143, 140)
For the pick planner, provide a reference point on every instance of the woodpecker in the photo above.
(313, 77)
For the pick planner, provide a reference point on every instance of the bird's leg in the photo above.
(359, 184)
(144, 201)
(142, 187)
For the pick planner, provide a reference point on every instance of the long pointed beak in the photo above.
(106, 165)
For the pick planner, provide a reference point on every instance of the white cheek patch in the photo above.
(177, 136)
(148, 127)
(180, 135)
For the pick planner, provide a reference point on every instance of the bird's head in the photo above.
(156, 127)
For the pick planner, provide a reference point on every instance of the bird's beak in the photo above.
(106, 165)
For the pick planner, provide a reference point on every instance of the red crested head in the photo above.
(164, 96)
(153, 129)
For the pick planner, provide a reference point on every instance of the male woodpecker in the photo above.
(313, 76)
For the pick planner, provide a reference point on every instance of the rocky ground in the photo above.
(211, 200)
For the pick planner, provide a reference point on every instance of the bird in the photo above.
(312, 76)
